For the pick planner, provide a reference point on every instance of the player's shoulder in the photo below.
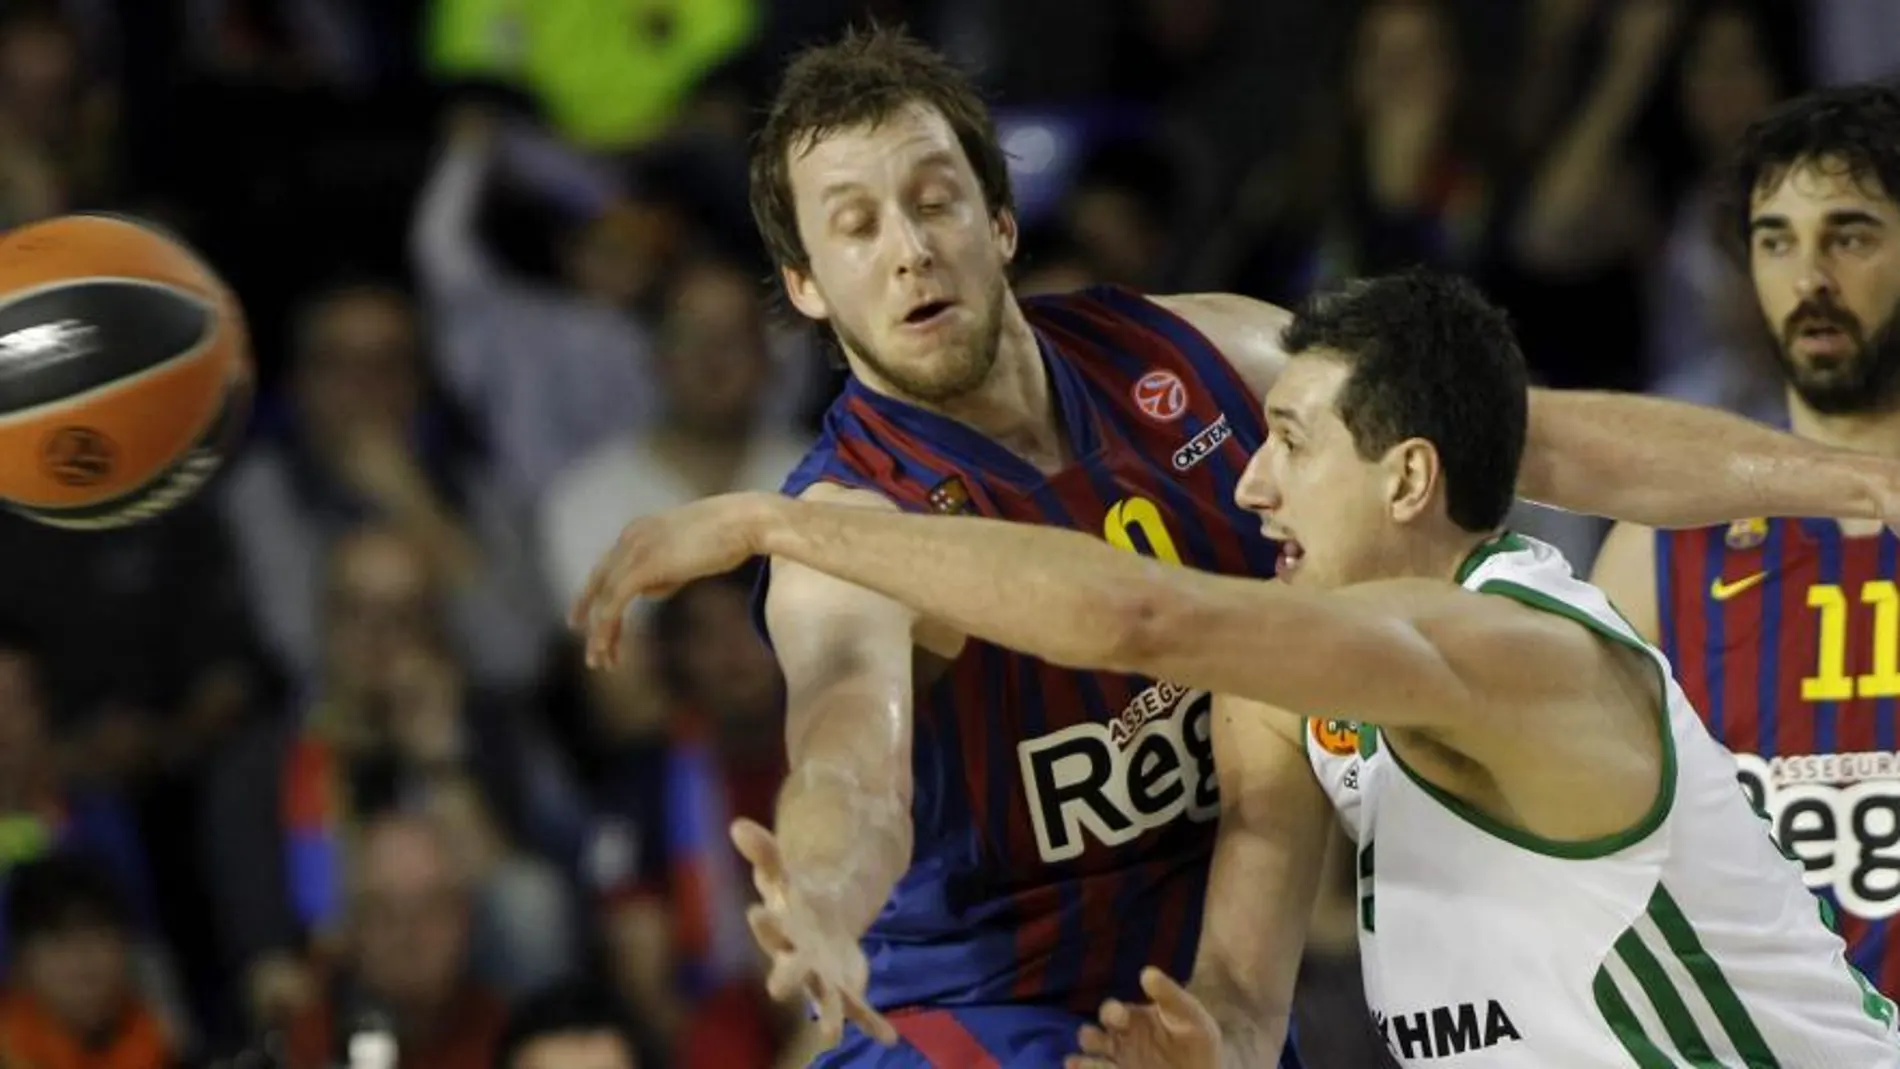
(1220, 337)
(840, 455)
(1220, 312)
(1208, 313)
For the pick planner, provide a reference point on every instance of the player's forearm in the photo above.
(1057, 594)
(1664, 463)
(1250, 1037)
(843, 819)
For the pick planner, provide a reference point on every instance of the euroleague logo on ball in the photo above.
(78, 456)
(1161, 396)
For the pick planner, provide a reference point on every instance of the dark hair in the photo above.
(564, 1008)
(1431, 358)
(61, 892)
(1856, 126)
(862, 79)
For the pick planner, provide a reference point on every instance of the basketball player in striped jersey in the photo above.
(1786, 632)
(962, 825)
(1555, 865)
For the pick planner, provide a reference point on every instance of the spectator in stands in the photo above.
(391, 724)
(58, 120)
(1588, 211)
(42, 814)
(362, 444)
(712, 378)
(672, 896)
(405, 963)
(569, 1025)
(1706, 343)
(552, 371)
(70, 1001)
(1122, 211)
(1397, 168)
(549, 370)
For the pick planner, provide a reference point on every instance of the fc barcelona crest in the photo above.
(1746, 534)
(951, 497)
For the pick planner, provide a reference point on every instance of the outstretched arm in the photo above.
(1379, 653)
(1663, 463)
(1624, 456)
(1236, 1011)
(843, 817)
(1274, 822)
(1392, 653)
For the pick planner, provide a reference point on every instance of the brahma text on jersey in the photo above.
(1839, 815)
(1111, 782)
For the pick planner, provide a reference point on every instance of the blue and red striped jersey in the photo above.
(1064, 819)
(1786, 636)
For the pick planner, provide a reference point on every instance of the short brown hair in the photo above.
(862, 80)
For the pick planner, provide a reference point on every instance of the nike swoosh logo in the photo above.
(1721, 591)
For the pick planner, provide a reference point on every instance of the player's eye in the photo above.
(1772, 244)
(1853, 240)
(935, 201)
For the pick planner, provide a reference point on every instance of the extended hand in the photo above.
(656, 555)
(810, 957)
(1174, 1031)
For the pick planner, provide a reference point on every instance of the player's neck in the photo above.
(1870, 432)
(1439, 555)
(1015, 406)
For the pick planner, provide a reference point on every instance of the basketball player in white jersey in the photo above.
(1557, 866)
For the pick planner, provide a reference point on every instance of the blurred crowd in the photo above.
(311, 764)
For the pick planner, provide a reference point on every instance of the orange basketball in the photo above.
(125, 372)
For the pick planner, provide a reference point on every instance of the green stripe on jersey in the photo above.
(1662, 995)
(1670, 1001)
(1629, 1031)
(1681, 937)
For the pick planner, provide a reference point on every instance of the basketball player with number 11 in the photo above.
(1786, 632)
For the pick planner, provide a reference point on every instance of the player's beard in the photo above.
(1866, 380)
(959, 366)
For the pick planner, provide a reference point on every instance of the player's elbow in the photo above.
(1146, 625)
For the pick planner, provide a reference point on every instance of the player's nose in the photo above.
(1255, 491)
(913, 251)
(1814, 279)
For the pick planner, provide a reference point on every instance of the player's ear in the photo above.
(802, 291)
(1412, 474)
(1003, 224)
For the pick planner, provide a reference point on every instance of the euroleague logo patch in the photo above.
(78, 456)
(1161, 396)
(1337, 737)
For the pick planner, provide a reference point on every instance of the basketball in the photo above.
(125, 372)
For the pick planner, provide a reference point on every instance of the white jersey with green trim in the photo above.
(1687, 941)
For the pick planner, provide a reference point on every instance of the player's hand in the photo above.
(656, 555)
(1174, 1031)
(811, 958)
